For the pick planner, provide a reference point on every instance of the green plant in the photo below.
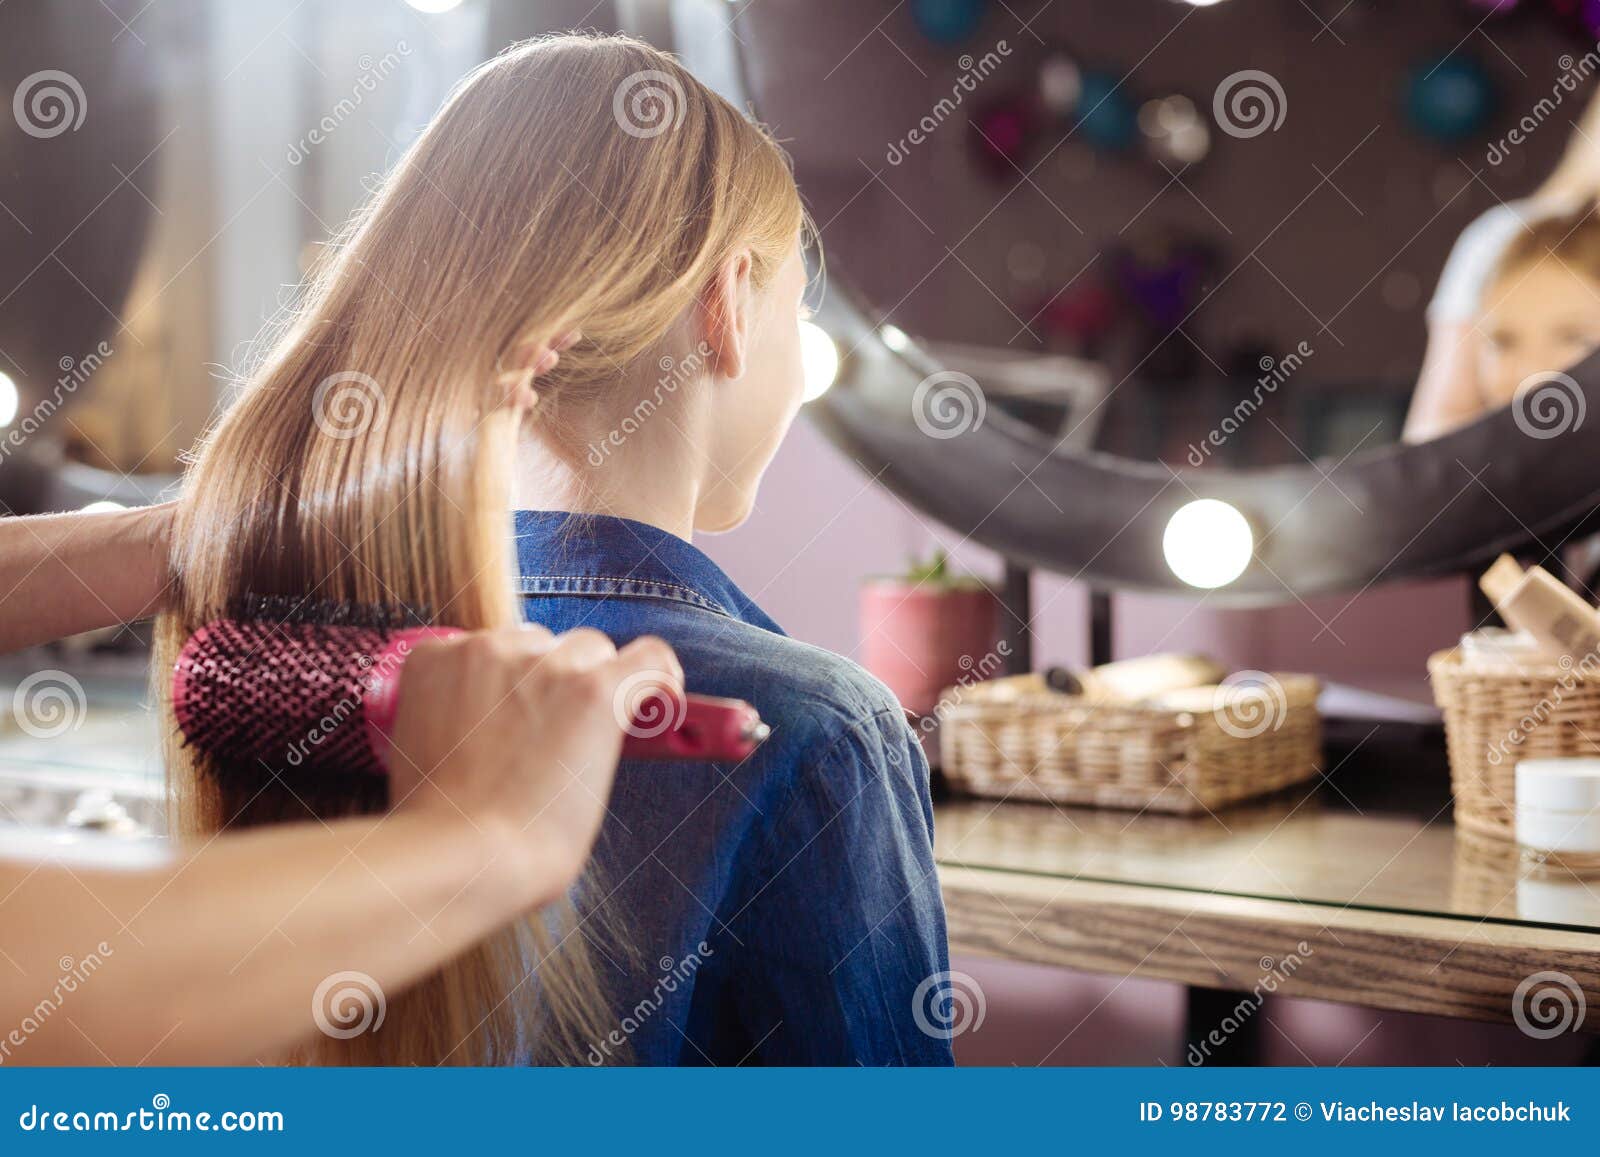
(935, 572)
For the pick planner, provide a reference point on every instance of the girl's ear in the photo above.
(724, 315)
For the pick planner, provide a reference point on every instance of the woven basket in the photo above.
(1065, 749)
(1496, 717)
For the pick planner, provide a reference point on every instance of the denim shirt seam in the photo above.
(782, 811)
(623, 587)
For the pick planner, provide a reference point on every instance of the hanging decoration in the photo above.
(947, 21)
(1080, 318)
(1060, 84)
(1174, 131)
(1097, 108)
(1002, 132)
(1448, 100)
(1105, 116)
(1580, 17)
(1164, 280)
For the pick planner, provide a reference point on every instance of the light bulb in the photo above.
(819, 355)
(894, 337)
(10, 399)
(103, 506)
(1208, 543)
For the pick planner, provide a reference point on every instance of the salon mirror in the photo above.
(1156, 302)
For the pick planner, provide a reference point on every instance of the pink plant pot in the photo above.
(921, 639)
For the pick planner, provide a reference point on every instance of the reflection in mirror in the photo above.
(1179, 251)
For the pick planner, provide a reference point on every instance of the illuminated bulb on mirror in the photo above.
(819, 354)
(9, 401)
(894, 337)
(1208, 543)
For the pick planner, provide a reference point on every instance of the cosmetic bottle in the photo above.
(1537, 602)
(1496, 648)
(1125, 681)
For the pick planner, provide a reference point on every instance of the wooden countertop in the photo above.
(1384, 910)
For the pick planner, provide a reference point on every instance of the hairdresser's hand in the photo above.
(519, 733)
(66, 573)
(531, 361)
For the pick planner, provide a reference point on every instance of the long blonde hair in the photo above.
(571, 182)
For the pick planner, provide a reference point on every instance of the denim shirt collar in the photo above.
(559, 553)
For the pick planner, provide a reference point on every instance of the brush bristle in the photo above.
(284, 609)
(269, 692)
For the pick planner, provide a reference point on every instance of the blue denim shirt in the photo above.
(779, 911)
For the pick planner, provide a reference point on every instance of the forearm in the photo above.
(65, 573)
(1447, 393)
(215, 957)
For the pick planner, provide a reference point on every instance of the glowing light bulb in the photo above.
(1208, 543)
(103, 506)
(10, 399)
(819, 354)
(894, 337)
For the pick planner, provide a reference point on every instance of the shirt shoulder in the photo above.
(818, 696)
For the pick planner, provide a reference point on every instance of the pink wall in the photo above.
(821, 525)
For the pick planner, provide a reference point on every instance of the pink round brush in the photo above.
(314, 695)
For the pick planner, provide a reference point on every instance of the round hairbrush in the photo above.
(315, 686)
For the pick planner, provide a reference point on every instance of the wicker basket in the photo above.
(1064, 749)
(1496, 717)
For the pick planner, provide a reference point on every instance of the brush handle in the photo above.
(700, 727)
(709, 729)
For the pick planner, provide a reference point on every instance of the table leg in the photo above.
(1218, 1029)
(1017, 629)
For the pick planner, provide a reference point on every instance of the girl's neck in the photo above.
(657, 489)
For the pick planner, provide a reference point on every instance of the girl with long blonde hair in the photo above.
(1454, 386)
(587, 193)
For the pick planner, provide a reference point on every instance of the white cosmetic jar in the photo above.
(1558, 810)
